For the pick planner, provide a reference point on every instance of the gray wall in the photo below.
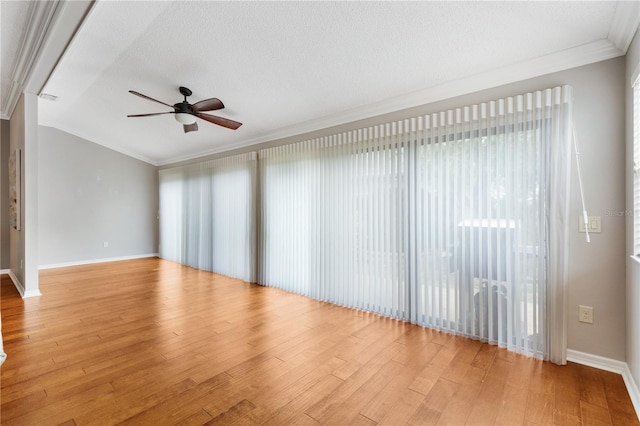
(4, 194)
(633, 266)
(89, 194)
(597, 270)
(16, 238)
(23, 242)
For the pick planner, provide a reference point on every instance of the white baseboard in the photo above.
(23, 293)
(612, 365)
(16, 282)
(4, 271)
(92, 261)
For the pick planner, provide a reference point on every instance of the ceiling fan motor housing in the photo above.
(183, 108)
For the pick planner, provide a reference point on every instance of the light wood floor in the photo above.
(149, 342)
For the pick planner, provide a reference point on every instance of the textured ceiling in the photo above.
(14, 17)
(284, 67)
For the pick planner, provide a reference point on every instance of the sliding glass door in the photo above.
(447, 220)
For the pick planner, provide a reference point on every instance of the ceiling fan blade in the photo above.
(208, 105)
(190, 127)
(224, 122)
(147, 97)
(150, 114)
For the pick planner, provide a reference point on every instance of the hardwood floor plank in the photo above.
(594, 414)
(180, 407)
(199, 417)
(486, 406)
(58, 411)
(513, 407)
(483, 413)
(365, 353)
(288, 412)
(427, 378)
(404, 407)
(232, 414)
(151, 342)
(568, 393)
(288, 387)
(353, 405)
(128, 405)
(372, 365)
(429, 412)
(591, 386)
(415, 357)
(459, 408)
(15, 407)
(539, 408)
(618, 402)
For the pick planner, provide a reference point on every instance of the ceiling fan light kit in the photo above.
(185, 118)
(186, 113)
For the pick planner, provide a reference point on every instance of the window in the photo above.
(207, 215)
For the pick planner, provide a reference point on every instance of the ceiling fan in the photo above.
(186, 113)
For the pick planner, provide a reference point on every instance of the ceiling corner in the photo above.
(625, 24)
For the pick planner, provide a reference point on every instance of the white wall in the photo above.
(90, 194)
(597, 270)
(633, 266)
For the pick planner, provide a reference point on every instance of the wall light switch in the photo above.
(105, 244)
(595, 224)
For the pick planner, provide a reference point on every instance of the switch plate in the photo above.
(595, 224)
(585, 314)
(105, 244)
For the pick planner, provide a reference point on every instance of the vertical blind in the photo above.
(455, 220)
(207, 215)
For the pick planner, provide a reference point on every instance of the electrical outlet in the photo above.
(105, 244)
(585, 314)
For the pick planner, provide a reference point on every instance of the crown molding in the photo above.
(40, 16)
(625, 24)
(13, 94)
(50, 27)
(585, 54)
